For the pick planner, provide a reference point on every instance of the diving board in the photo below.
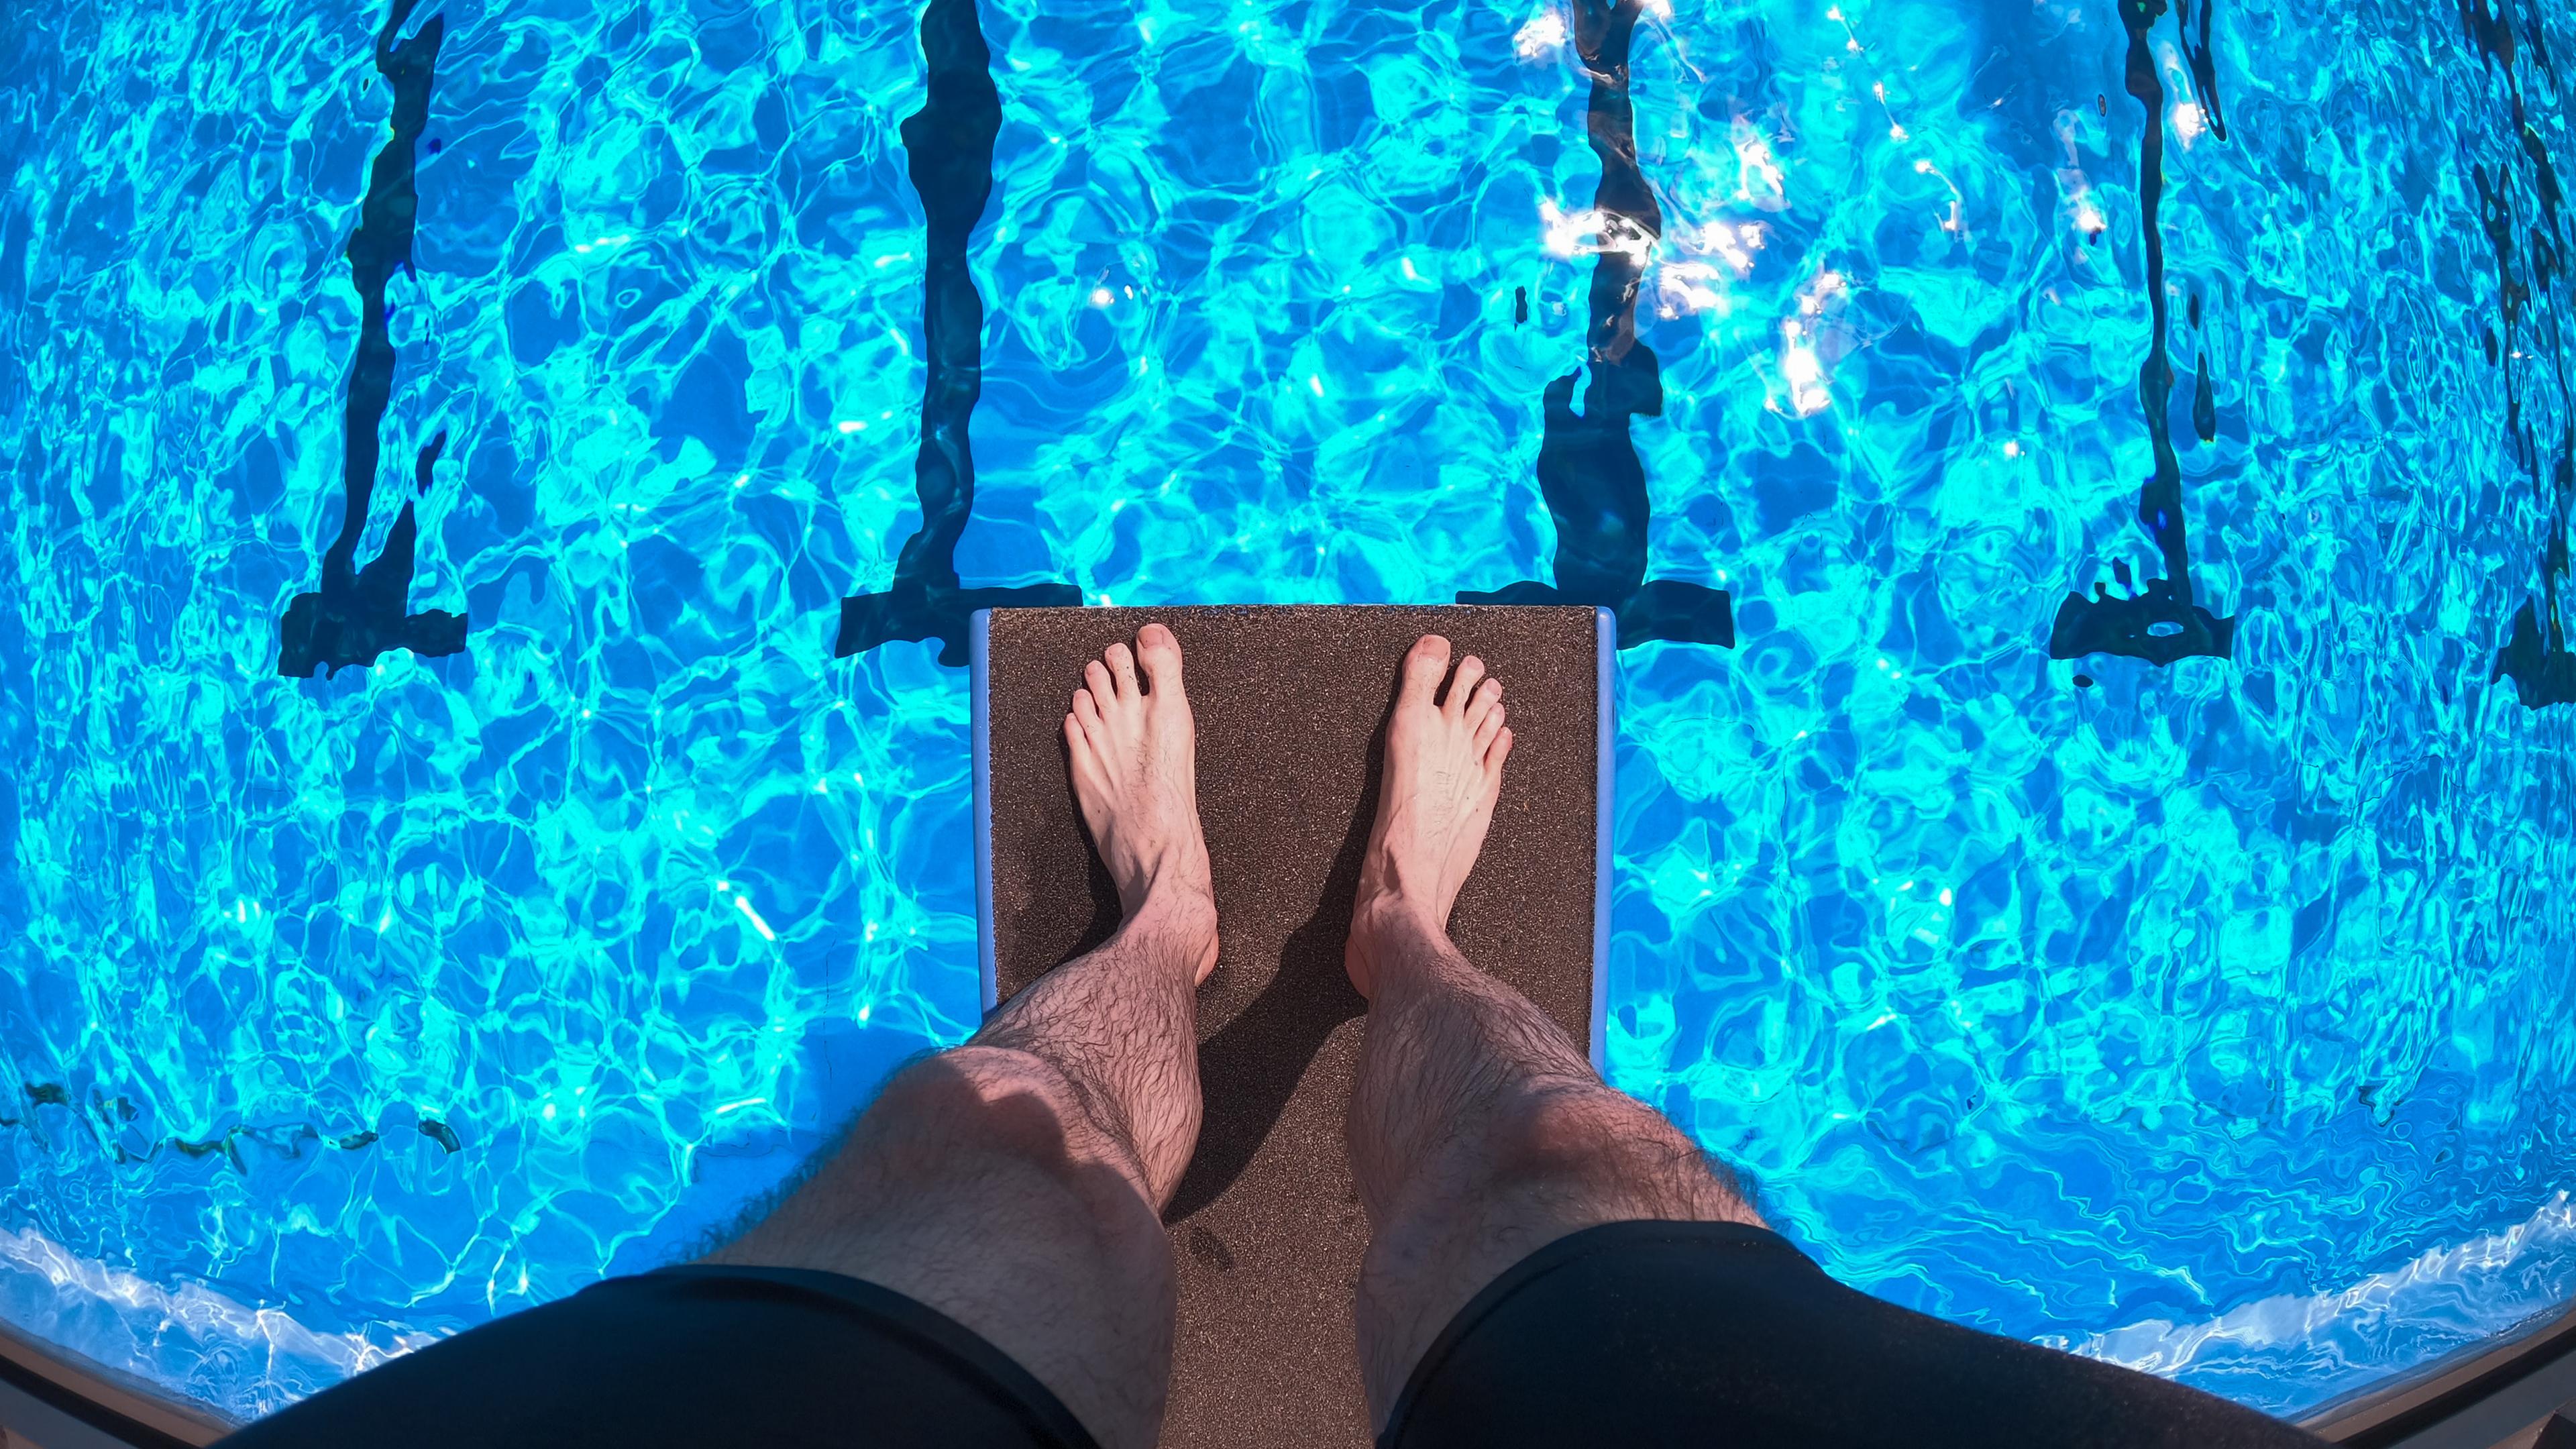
(1291, 701)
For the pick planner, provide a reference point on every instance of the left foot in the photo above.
(1135, 774)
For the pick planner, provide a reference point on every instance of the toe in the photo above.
(1095, 675)
(1086, 707)
(1159, 654)
(1082, 743)
(1497, 752)
(1424, 663)
(1471, 672)
(1490, 725)
(1122, 668)
(1485, 701)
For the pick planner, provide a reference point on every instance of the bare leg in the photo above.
(1478, 1131)
(1016, 1183)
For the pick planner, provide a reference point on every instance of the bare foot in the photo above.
(1444, 771)
(1135, 773)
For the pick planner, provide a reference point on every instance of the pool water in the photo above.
(2094, 756)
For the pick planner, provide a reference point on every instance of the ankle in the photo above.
(1174, 899)
(1178, 910)
(1396, 918)
(1171, 881)
(1395, 944)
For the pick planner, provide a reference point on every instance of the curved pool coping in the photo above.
(2479, 1395)
(62, 1400)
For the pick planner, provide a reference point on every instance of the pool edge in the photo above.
(2488, 1393)
(1605, 633)
(979, 708)
(64, 1400)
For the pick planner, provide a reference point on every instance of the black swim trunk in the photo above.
(1654, 1334)
(1631, 1335)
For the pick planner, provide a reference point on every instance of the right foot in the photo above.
(1134, 757)
(1444, 771)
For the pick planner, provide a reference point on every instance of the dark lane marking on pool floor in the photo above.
(359, 613)
(2163, 621)
(948, 149)
(103, 1116)
(2535, 654)
(1588, 469)
(2204, 73)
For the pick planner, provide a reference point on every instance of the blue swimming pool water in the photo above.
(2211, 1014)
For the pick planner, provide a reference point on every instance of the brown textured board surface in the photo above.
(1266, 1228)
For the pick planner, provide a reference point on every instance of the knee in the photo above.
(992, 1097)
(1002, 1109)
(1563, 1131)
(1594, 1143)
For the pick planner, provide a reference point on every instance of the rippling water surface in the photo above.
(2211, 1014)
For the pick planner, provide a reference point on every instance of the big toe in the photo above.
(1158, 653)
(1424, 666)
